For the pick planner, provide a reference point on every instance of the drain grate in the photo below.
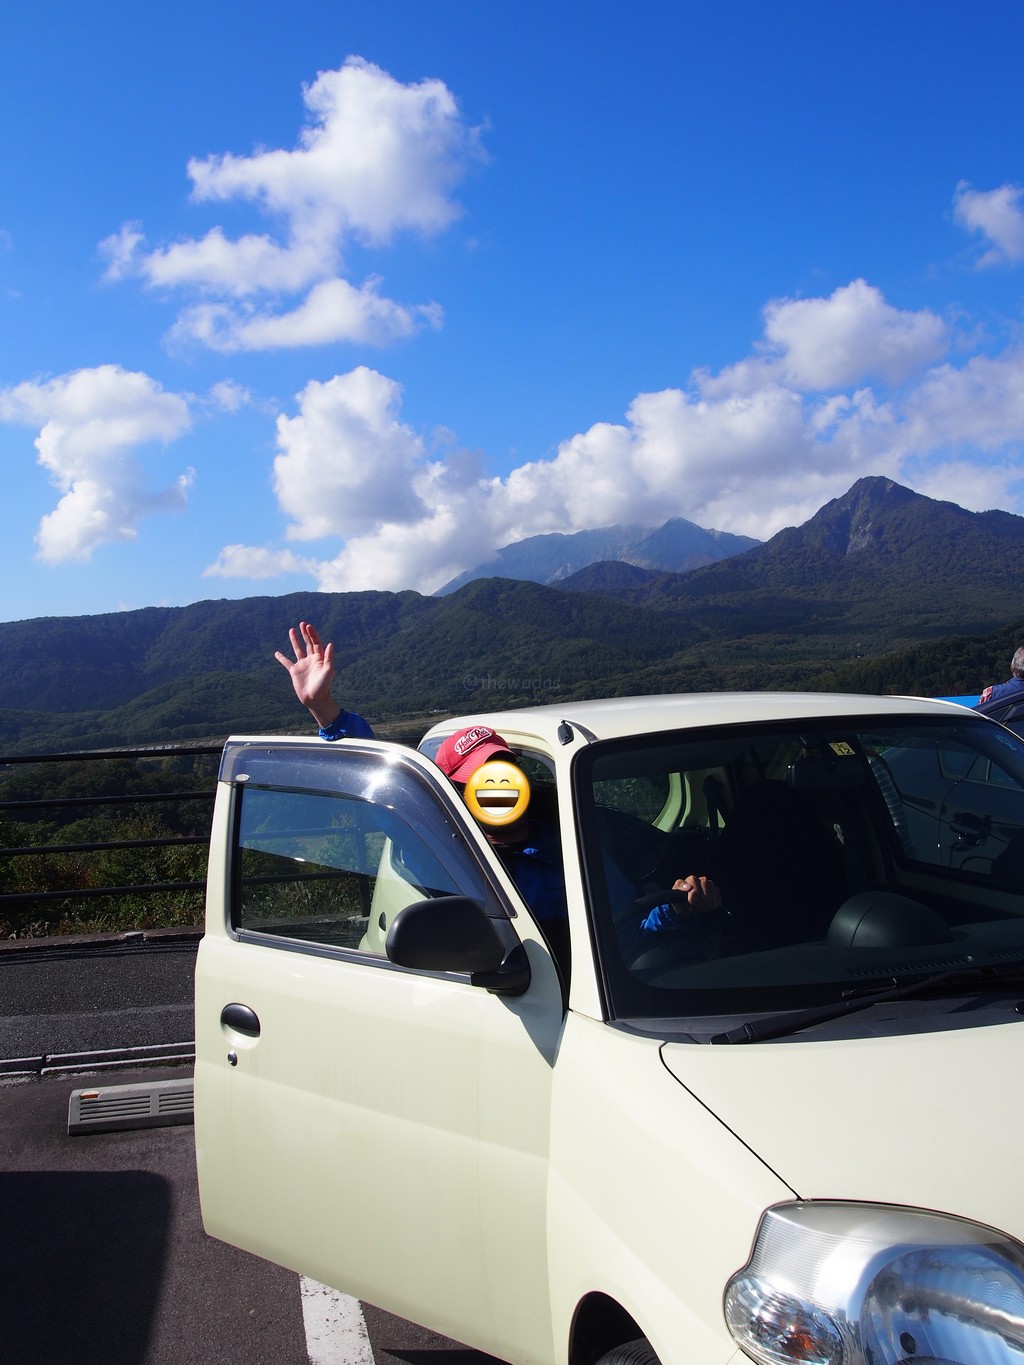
(116, 1108)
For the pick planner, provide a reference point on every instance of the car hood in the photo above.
(928, 1120)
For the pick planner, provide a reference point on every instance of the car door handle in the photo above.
(970, 830)
(242, 1019)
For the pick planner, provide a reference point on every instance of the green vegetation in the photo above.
(139, 838)
(875, 575)
(882, 591)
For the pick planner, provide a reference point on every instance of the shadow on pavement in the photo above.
(88, 1245)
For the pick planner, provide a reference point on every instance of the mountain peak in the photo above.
(862, 518)
(676, 546)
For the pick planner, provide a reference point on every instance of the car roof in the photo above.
(617, 717)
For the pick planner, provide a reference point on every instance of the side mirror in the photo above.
(455, 934)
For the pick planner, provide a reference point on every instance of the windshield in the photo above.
(847, 854)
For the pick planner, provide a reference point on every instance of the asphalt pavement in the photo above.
(129, 994)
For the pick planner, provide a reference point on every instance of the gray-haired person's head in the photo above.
(1017, 663)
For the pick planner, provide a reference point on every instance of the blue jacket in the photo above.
(1005, 691)
(348, 725)
(536, 868)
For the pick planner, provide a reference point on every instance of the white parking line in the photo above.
(335, 1327)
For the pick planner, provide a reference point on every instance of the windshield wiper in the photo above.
(778, 1025)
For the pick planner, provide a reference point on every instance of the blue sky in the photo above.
(347, 296)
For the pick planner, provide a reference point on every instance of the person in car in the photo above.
(530, 851)
(1013, 688)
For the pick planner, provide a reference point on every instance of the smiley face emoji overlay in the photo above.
(497, 793)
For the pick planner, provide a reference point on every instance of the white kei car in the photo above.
(783, 1131)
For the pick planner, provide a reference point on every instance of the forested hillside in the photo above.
(883, 590)
(880, 565)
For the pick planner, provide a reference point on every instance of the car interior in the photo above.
(842, 851)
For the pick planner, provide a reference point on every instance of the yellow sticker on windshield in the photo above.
(841, 748)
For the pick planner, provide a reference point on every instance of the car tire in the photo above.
(631, 1353)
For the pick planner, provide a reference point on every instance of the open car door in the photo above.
(371, 1125)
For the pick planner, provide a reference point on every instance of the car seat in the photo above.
(780, 867)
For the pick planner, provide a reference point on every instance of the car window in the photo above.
(334, 867)
(839, 849)
(538, 769)
(946, 785)
(643, 796)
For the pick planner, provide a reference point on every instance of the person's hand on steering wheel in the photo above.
(702, 895)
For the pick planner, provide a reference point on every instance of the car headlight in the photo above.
(870, 1284)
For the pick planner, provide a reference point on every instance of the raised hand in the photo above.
(312, 672)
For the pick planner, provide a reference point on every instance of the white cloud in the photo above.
(216, 264)
(374, 158)
(981, 404)
(228, 396)
(332, 311)
(675, 451)
(122, 251)
(346, 463)
(762, 445)
(246, 561)
(424, 556)
(91, 424)
(349, 468)
(968, 484)
(825, 344)
(996, 214)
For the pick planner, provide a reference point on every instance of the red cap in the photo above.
(462, 753)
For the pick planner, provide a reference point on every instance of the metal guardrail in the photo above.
(155, 751)
(151, 751)
(85, 755)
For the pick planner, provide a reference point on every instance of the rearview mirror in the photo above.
(813, 774)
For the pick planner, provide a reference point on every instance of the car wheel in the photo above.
(631, 1353)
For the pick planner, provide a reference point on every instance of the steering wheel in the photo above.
(696, 938)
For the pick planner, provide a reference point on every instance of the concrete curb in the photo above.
(128, 939)
(65, 1063)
